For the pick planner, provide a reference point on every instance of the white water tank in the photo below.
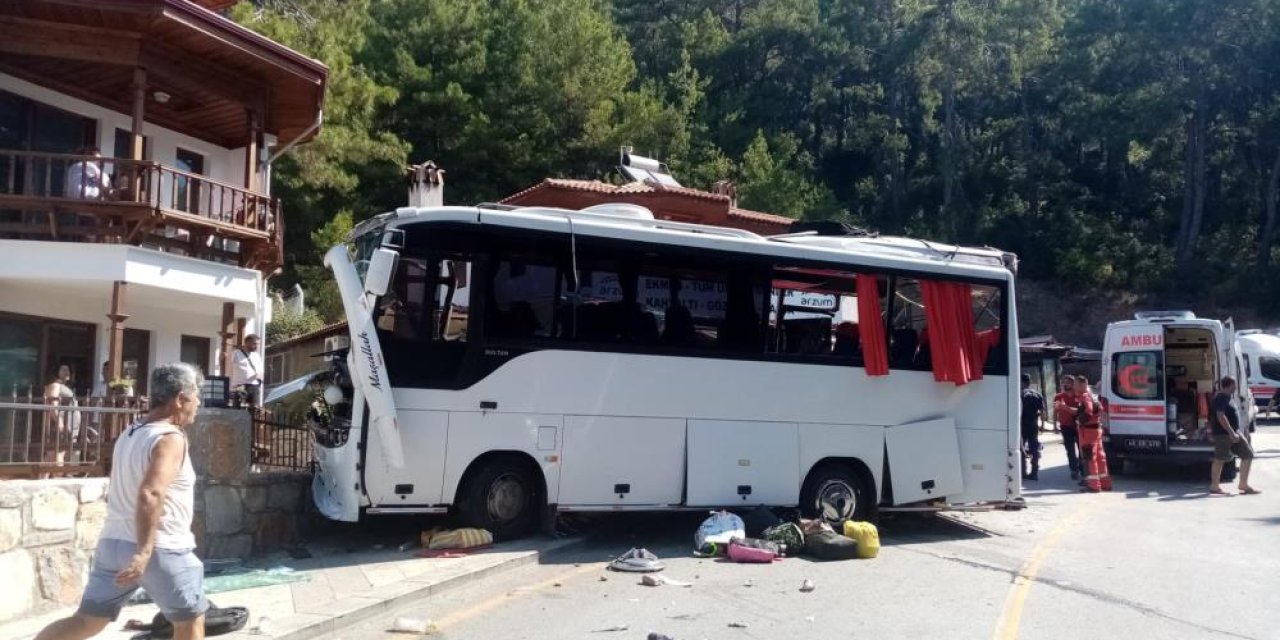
(621, 210)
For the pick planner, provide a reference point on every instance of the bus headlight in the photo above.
(333, 394)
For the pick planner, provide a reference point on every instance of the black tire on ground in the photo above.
(503, 496)
(836, 492)
(1115, 464)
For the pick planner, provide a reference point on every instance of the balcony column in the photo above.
(137, 144)
(228, 335)
(139, 109)
(116, 339)
(251, 151)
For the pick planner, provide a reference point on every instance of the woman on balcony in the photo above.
(61, 424)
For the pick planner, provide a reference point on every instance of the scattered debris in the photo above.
(557, 584)
(749, 583)
(637, 561)
(650, 580)
(616, 627)
(751, 550)
(737, 625)
(654, 635)
(807, 586)
(416, 626)
(604, 578)
(265, 627)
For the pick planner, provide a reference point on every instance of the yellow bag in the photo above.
(456, 538)
(866, 534)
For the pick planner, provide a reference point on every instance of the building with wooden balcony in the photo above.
(137, 224)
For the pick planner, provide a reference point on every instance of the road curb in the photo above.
(371, 608)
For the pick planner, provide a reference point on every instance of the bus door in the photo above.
(924, 461)
(1135, 370)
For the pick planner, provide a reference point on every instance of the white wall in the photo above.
(221, 163)
(91, 305)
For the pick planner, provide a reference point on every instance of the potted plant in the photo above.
(122, 387)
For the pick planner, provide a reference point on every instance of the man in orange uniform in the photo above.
(1064, 409)
(1088, 417)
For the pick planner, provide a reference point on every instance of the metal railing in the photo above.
(40, 439)
(282, 441)
(69, 177)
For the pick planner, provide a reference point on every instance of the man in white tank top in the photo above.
(147, 540)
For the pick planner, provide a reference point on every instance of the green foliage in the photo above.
(287, 323)
(1111, 144)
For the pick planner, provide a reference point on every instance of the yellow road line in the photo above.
(1011, 617)
(495, 602)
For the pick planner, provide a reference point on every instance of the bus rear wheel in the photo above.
(834, 492)
(503, 497)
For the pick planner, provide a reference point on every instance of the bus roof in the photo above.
(870, 251)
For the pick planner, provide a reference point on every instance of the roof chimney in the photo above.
(726, 188)
(426, 185)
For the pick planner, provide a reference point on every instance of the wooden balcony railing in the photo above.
(90, 186)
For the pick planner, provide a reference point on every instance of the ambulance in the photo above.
(1261, 364)
(1160, 372)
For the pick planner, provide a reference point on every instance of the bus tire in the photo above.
(503, 495)
(837, 491)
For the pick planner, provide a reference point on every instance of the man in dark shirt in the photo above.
(1228, 439)
(1032, 412)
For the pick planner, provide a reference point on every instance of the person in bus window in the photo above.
(1064, 406)
(1228, 440)
(1032, 411)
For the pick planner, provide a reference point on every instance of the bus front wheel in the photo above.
(503, 497)
(835, 492)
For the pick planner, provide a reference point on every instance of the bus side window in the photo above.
(453, 301)
(987, 309)
(522, 300)
(908, 332)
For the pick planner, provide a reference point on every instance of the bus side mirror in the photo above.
(382, 266)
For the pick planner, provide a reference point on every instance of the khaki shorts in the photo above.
(1224, 449)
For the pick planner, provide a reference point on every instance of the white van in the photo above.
(1261, 364)
(1159, 374)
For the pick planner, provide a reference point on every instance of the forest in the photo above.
(1117, 146)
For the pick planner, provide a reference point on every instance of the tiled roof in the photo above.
(596, 186)
(322, 332)
(757, 216)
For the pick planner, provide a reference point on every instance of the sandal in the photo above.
(637, 561)
(1249, 491)
(1218, 492)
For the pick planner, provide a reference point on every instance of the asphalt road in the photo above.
(1156, 558)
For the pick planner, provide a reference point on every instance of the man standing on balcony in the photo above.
(147, 539)
(246, 370)
(87, 179)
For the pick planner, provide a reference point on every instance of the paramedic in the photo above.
(1064, 405)
(1088, 418)
(1228, 440)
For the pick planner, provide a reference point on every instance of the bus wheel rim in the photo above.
(837, 500)
(507, 498)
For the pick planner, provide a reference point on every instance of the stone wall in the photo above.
(240, 512)
(48, 529)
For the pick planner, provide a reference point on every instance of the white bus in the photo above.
(510, 363)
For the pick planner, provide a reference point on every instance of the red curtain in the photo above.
(956, 350)
(875, 348)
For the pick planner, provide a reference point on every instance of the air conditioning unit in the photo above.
(333, 343)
